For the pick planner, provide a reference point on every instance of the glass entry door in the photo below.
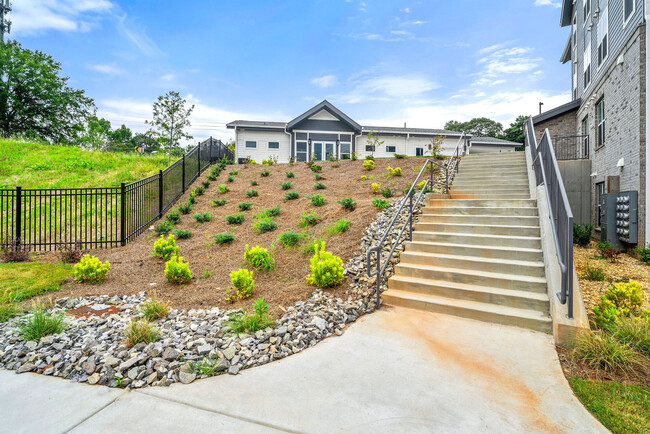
(329, 150)
(318, 151)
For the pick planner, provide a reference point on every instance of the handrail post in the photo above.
(160, 194)
(411, 216)
(446, 179)
(19, 211)
(123, 213)
(431, 170)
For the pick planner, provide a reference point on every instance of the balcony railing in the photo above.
(571, 147)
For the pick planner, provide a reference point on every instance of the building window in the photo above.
(629, 9)
(585, 135)
(419, 152)
(600, 121)
(586, 8)
(600, 191)
(390, 149)
(345, 151)
(301, 151)
(251, 144)
(274, 145)
(587, 67)
(370, 148)
(602, 29)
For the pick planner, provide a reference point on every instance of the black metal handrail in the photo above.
(453, 164)
(547, 173)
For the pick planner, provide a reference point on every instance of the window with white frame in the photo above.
(344, 149)
(419, 152)
(301, 151)
(390, 149)
(602, 29)
(629, 9)
(587, 66)
(600, 121)
(274, 145)
(251, 144)
(586, 9)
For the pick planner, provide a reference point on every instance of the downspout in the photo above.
(291, 143)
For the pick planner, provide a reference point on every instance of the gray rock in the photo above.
(26, 367)
(88, 367)
(186, 377)
(229, 353)
(233, 370)
(111, 361)
(94, 379)
(319, 322)
(170, 354)
(204, 349)
(128, 364)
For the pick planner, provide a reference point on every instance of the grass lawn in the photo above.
(622, 408)
(25, 280)
(32, 165)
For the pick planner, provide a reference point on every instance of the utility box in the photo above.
(619, 218)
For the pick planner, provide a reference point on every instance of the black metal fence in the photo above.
(43, 219)
(571, 147)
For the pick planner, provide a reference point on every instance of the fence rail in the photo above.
(44, 219)
(571, 147)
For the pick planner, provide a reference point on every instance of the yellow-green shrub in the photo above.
(394, 172)
(90, 269)
(165, 248)
(364, 177)
(621, 300)
(242, 285)
(177, 271)
(260, 258)
(326, 269)
(368, 164)
(375, 187)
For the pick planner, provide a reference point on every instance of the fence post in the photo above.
(19, 211)
(183, 180)
(211, 149)
(198, 158)
(123, 214)
(160, 194)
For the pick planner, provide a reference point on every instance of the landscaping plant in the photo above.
(348, 203)
(621, 300)
(601, 350)
(242, 285)
(582, 234)
(326, 269)
(41, 323)
(387, 192)
(369, 164)
(165, 248)
(205, 183)
(644, 253)
(140, 331)
(8, 309)
(90, 270)
(233, 173)
(596, 274)
(251, 193)
(206, 366)
(253, 182)
(380, 203)
(163, 228)
(260, 258)
(317, 199)
(202, 217)
(289, 174)
(265, 173)
(246, 322)
(185, 208)
(198, 191)
(318, 177)
(309, 219)
(286, 185)
(173, 217)
(183, 234)
(364, 178)
(244, 206)
(290, 239)
(191, 199)
(177, 271)
(153, 308)
(315, 168)
(375, 187)
(268, 212)
(218, 202)
(224, 238)
(319, 186)
(230, 178)
(634, 332)
(223, 188)
(312, 245)
(394, 172)
(339, 227)
(608, 251)
(14, 252)
(291, 195)
(264, 225)
(235, 219)
(399, 156)
(70, 253)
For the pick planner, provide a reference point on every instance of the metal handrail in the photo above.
(547, 173)
(453, 164)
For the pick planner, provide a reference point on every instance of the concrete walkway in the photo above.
(396, 370)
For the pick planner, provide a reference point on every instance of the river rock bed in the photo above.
(92, 349)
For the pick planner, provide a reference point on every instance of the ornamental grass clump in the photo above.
(339, 227)
(286, 185)
(260, 258)
(309, 219)
(202, 217)
(205, 183)
(289, 174)
(244, 206)
(326, 269)
(387, 192)
(154, 308)
(90, 270)
(601, 350)
(348, 203)
(269, 212)
(224, 238)
(235, 219)
(291, 195)
(198, 191)
(265, 224)
(165, 248)
(251, 322)
(252, 193)
(183, 234)
(140, 331)
(185, 208)
(265, 173)
(218, 202)
(380, 203)
(41, 323)
(173, 217)
(163, 227)
(242, 285)
(177, 271)
(290, 239)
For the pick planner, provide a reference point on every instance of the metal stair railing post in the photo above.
(18, 217)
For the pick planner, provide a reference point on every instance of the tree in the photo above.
(121, 139)
(435, 146)
(483, 127)
(95, 134)
(146, 142)
(35, 101)
(170, 119)
(373, 140)
(516, 131)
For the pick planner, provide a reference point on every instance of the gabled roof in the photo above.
(399, 130)
(257, 124)
(492, 141)
(558, 111)
(329, 107)
(567, 13)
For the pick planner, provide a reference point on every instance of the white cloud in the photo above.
(34, 16)
(548, 3)
(168, 77)
(369, 86)
(498, 60)
(406, 10)
(414, 23)
(137, 34)
(325, 81)
(109, 69)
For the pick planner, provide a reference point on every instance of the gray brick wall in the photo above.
(560, 126)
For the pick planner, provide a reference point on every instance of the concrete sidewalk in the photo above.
(396, 370)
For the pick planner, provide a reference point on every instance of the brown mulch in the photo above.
(134, 269)
(627, 267)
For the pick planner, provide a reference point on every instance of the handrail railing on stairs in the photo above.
(547, 173)
(451, 167)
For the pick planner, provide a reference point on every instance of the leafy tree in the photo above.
(95, 134)
(35, 101)
(170, 119)
(435, 146)
(516, 131)
(373, 140)
(146, 142)
(483, 127)
(121, 139)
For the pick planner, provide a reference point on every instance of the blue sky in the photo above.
(382, 62)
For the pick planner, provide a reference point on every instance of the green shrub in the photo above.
(233, 173)
(339, 227)
(268, 212)
(264, 225)
(265, 173)
(260, 258)
(224, 238)
(253, 182)
(600, 350)
(348, 203)
(375, 187)
(230, 178)
(394, 172)
(198, 191)
(326, 269)
(177, 271)
(165, 248)
(41, 323)
(582, 234)
(595, 273)
(251, 193)
(387, 192)
(223, 188)
(289, 174)
(235, 219)
(153, 308)
(312, 245)
(318, 177)
(8, 309)
(320, 186)
(140, 331)
(309, 219)
(634, 332)
(315, 168)
(380, 203)
(259, 319)
(218, 202)
(286, 185)
(317, 199)
(205, 183)
(185, 208)
(291, 195)
(164, 227)
(369, 165)
(183, 234)
(173, 217)
(191, 199)
(212, 177)
(202, 217)
(245, 206)
(644, 253)
(290, 239)
(621, 300)
(242, 285)
(370, 158)
(608, 251)
(399, 156)
(90, 269)
(605, 314)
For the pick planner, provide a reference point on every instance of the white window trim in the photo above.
(598, 124)
(625, 21)
(250, 141)
(586, 63)
(584, 21)
(599, 38)
(268, 144)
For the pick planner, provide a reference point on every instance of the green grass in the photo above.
(32, 165)
(622, 408)
(41, 323)
(25, 280)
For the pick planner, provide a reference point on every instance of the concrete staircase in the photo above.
(478, 254)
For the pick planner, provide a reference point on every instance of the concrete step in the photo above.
(487, 312)
(505, 253)
(472, 277)
(465, 175)
(479, 219)
(495, 203)
(460, 228)
(495, 156)
(485, 195)
(511, 267)
(478, 239)
(497, 167)
(492, 189)
(482, 294)
(491, 183)
(481, 210)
